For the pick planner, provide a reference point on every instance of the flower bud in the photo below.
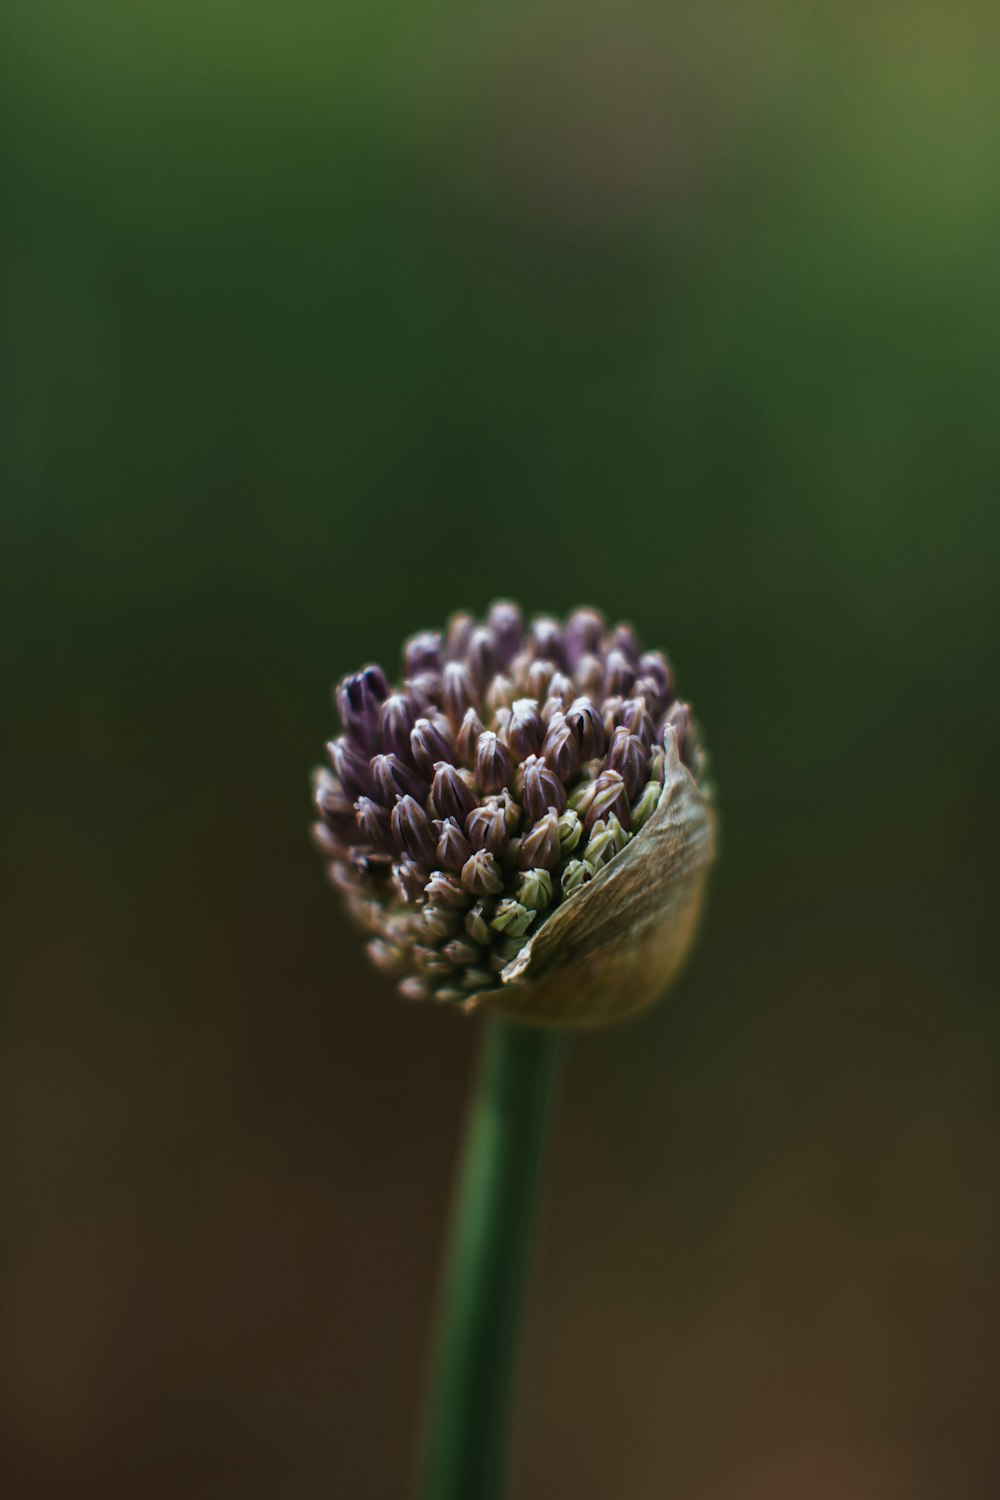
(505, 623)
(636, 718)
(583, 634)
(585, 720)
(538, 800)
(481, 656)
(500, 693)
(511, 918)
(575, 876)
(468, 737)
(352, 765)
(534, 889)
(458, 635)
(425, 690)
(444, 890)
(679, 720)
(358, 700)
(562, 690)
(409, 880)
(394, 778)
(336, 809)
(542, 789)
(458, 690)
(412, 831)
(619, 675)
(430, 741)
(486, 828)
(609, 797)
(589, 676)
(627, 755)
(493, 762)
(536, 683)
(481, 874)
(476, 923)
(396, 717)
(422, 653)
(451, 794)
(646, 804)
(561, 749)
(461, 952)
(453, 848)
(540, 848)
(570, 831)
(436, 924)
(525, 730)
(374, 824)
(549, 643)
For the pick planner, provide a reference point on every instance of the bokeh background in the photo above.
(320, 320)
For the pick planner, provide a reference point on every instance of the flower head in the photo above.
(523, 821)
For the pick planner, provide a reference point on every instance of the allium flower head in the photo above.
(523, 821)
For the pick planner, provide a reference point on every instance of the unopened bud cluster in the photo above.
(511, 765)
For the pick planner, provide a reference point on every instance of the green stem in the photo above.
(466, 1437)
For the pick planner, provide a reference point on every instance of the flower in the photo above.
(525, 821)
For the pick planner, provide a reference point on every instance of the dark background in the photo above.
(319, 321)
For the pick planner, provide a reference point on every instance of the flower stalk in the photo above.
(465, 1442)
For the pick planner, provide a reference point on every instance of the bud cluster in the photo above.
(511, 765)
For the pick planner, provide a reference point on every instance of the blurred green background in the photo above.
(319, 321)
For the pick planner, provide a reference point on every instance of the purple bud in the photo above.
(352, 765)
(561, 689)
(409, 880)
(654, 664)
(525, 730)
(636, 719)
(486, 828)
(584, 718)
(396, 718)
(500, 694)
(430, 741)
(453, 848)
(679, 720)
(358, 700)
(444, 890)
(373, 821)
(336, 810)
(649, 690)
(425, 690)
(542, 789)
(458, 691)
(505, 623)
(458, 635)
(324, 840)
(589, 676)
(623, 639)
(394, 778)
(481, 874)
(482, 656)
(493, 762)
(548, 639)
(422, 653)
(610, 709)
(619, 674)
(608, 797)
(468, 737)
(540, 848)
(412, 830)
(560, 748)
(584, 632)
(627, 756)
(536, 682)
(452, 796)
